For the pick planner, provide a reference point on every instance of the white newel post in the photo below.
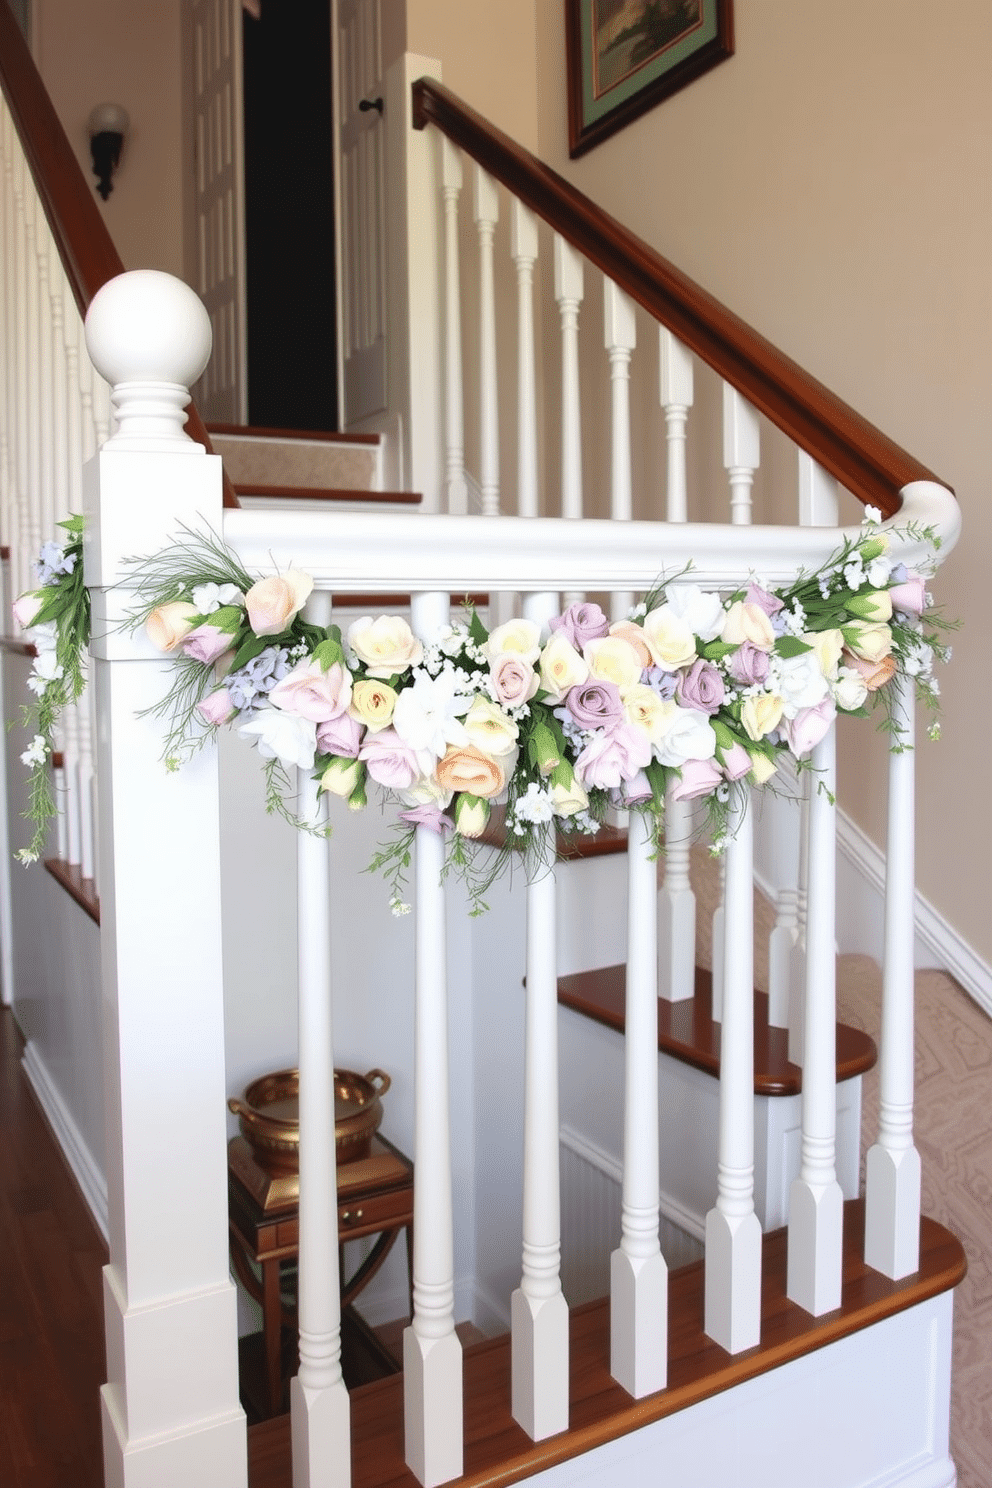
(816, 1204)
(319, 1406)
(432, 1351)
(892, 1179)
(170, 1408)
(733, 1234)
(638, 1273)
(539, 1312)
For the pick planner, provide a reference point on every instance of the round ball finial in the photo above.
(147, 326)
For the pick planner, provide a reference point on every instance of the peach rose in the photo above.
(468, 769)
(634, 636)
(748, 622)
(170, 624)
(273, 604)
(874, 674)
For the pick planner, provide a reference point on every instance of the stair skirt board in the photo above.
(70, 1140)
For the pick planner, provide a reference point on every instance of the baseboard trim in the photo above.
(83, 1166)
(949, 949)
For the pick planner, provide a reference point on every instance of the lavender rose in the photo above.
(390, 762)
(748, 665)
(581, 623)
(701, 687)
(595, 705)
(206, 643)
(341, 736)
(761, 597)
(217, 708)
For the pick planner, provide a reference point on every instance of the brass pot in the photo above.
(270, 1116)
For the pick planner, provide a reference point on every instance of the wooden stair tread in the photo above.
(686, 1029)
(569, 847)
(327, 493)
(497, 1451)
(252, 431)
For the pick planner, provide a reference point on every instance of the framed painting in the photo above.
(624, 56)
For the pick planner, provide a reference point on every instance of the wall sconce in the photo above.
(108, 124)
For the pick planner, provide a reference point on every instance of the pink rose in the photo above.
(515, 680)
(310, 692)
(273, 604)
(809, 726)
(736, 762)
(696, 778)
(581, 623)
(206, 643)
(757, 596)
(909, 597)
(638, 788)
(612, 757)
(341, 736)
(390, 762)
(217, 708)
(431, 816)
(701, 687)
(26, 609)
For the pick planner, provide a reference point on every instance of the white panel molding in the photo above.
(938, 942)
(82, 1164)
(692, 1223)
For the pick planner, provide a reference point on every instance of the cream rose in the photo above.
(643, 707)
(634, 636)
(850, 690)
(273, 604)
(385, 645)
(469, 769)
(869, 641)
(748, 622)
(515, 637)
(372, 703)
(489, 728)
(670, 641)
(613, 659)
(827, 647)
(562, 667)
(762, 768)
(169, 624)
(761, 714)
(569, 800)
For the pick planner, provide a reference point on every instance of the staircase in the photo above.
(774, 1335)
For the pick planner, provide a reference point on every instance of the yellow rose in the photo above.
(372, 703)
(342, 776)
(827, 646)
(273, 604)
(385, 645)
(561, 667)
(613, 659)
(869, 641)
(489, 728)
(762, 768)
(644, 708)
(468, 769)
(471, 816)
(514, 638)
(761, 714)
(670, 641)
(170, 624)
(748, 622)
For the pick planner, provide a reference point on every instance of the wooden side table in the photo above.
(375, 1197)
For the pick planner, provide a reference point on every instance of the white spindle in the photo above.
(103, 413)
(733, 1234)
(319, 1406)
(60, 408)
(538, 1310)
(48, 433)
(87, 784)
(454, 416)
(58, 778)
(486, 212)
(70, 781)
(523, 250)
(718, 954)
(797, 962)
(677, 907)
(782, 817)
(432, 1352)
(741, 452)
(781, 944)
(676, 396)
(569, 292)
(619, 339)
(87, 380)
(74, 409)
(30, 537)
(892, 1183)
(816, 1209)
(638, 1273)
(818, 499)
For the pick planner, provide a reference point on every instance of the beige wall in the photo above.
(127, 52)
(830, 183)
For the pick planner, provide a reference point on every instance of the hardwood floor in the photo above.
(51, 1300)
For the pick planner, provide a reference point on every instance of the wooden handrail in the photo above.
(85, 246)
(863, 459)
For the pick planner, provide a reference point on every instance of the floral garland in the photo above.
(694, 691)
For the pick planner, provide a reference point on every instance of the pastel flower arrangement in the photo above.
(694, 691)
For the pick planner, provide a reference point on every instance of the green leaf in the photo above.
(327, 653)
(477, 630)
(252, 647)
(788, 646)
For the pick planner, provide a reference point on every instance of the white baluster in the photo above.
(58, 777)
(486, 213)
(45, 390)
(781, 944)
(676, 384)
(432, 1351)
(733, 1234)
(454, 417)
(30, 535)
(70, 780)
(818, 500)
(103, 412)
(797, 963)
(816, 1204)
(539, 1312)
(60, 411)
(783, 815)
(87, 780)
(569, 293)
(741, 452)
(677, 907)
(74, 410)
(892, 1184)
(319, 1406)
(619, 340)
(87, 379)
(718, 952)
(638, 1273)
(523, 251)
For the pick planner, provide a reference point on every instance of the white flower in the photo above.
(283, 736)
(520, 637)
(36, 752)
(849, 690)
(210, 597)
(872, 517)
(854, 574)
(702, 612)
(398, 907)
(798, 681)
(535, 805)
(878, 572)
(688, 735)
(918, 660)
(428, 715)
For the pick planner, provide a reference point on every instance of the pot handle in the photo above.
(239, 1108)
(378, 1074)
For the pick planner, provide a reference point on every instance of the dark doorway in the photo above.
(289, 217)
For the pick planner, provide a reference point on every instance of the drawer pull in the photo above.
(352, 1216)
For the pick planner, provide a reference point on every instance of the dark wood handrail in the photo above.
(863, 459)
(85, 246)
